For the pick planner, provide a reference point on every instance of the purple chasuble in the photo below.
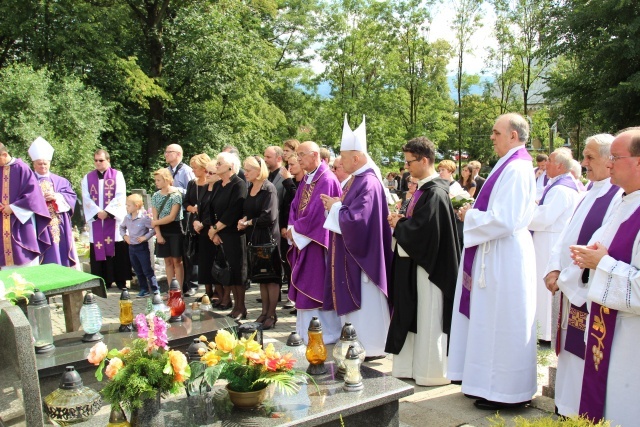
(566, 180)
(22, 243)
(308, 266)
(104, 231)
(574, 340)
(602, 325)
(364, 245)
(482, 203)
(63, 250)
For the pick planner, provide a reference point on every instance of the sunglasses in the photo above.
(99, 161)
(209, 173)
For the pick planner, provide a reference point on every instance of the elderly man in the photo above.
(360, 246)
(25, 217)
(309, 242)
(104, 195)
(493, 336)
(182, 174)
(339, 172)
(423, 278)
(594, 210)
(551, 216)
(611, 377)
(61, 201)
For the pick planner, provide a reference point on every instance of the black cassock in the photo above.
(431, 240)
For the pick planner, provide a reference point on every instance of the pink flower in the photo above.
(97, 353)
(114, 367)
(141, 324)
(160, 332)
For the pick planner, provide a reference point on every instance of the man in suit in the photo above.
(476, 166)
(273, 156)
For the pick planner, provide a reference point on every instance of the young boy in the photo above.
(139, 228)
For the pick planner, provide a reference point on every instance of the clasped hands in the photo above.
(393, 219)
(328, 201)
(588, 256)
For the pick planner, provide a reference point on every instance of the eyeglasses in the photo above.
(209, 172)
(299, 155)
(614, 159)
(408, 162)
(99, 160)
(412, 183)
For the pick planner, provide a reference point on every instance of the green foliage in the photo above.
(549, 421)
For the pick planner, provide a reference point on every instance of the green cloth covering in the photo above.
(52, 277)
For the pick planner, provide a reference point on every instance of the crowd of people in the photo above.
(456, 295)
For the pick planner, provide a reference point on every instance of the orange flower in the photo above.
(179, 364)
(97, 353)
(114, 367)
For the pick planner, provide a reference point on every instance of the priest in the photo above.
(25, 236)
(551, 216)
(359, 247)
(104, 194)
(593, 211)
(61, 201)
(493, 336)
(308, 244)
(424, 272)
(611, 377)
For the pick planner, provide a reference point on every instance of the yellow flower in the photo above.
(179, 364)
(210, 358)
(203, 338)
(114, 367)
(251, 345)
(225, 341)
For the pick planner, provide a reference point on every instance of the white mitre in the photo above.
(354, 140)
(40, 149)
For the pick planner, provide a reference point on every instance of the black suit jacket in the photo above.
(479, 183)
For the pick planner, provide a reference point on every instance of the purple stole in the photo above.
(104, 231)
(412, 203)
(482, 203)
(574, 340)
(602, 327)
(566, 180)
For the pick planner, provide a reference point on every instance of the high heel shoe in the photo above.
(261, 318)
(266, 325)
(223, 307)
(237, 317)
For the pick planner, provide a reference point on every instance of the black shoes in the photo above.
(489, 405)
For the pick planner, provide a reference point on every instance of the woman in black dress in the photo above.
(225, 212)
(260, 222)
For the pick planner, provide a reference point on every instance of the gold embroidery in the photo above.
(109, 186)
(54, 224)
(346, 188)
(577, 319)
(6, 218)
(599, 326)
(99, 245)
(306, 196)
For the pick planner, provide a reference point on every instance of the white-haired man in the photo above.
(593, 211)
(551, 216)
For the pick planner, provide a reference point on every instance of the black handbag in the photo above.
(264, 261)
(192, 247)
(221, 270)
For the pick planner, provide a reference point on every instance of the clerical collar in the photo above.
(100, 174)
(343, 183)
(423, 181)
(41, 176)
(554, 179)
(597, 185)
(311, 174)
(362, 169)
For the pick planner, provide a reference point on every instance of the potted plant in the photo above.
(247, 367)
(140, 374)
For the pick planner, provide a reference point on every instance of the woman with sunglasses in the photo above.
(227, 202)
(201, 225)
(260, 223)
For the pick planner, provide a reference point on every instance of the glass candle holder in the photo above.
(352, 375)
(91, 318)
(39, 315)
(295, 346)
(176, 302)
(348, 337)
(316, 350)
(196, 314)
(126, 312)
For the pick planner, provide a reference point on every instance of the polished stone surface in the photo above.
(376, 405)
(70, 350)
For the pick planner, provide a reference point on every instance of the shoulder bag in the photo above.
(264, 261)
(221, 270)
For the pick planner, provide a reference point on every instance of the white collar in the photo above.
(423, 181)
(311, 175)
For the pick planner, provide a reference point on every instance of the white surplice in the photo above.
(493, 352)
(549, 219)
(570, 367)
(116, 207)
(616, 285)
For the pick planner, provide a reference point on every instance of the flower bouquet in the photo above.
(461, 199)
(142, 370)
(21, 289)
(245, 365)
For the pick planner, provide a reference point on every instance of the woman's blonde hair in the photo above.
(258, 163)
(165, 174)
(200, 160)
(448, 165)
